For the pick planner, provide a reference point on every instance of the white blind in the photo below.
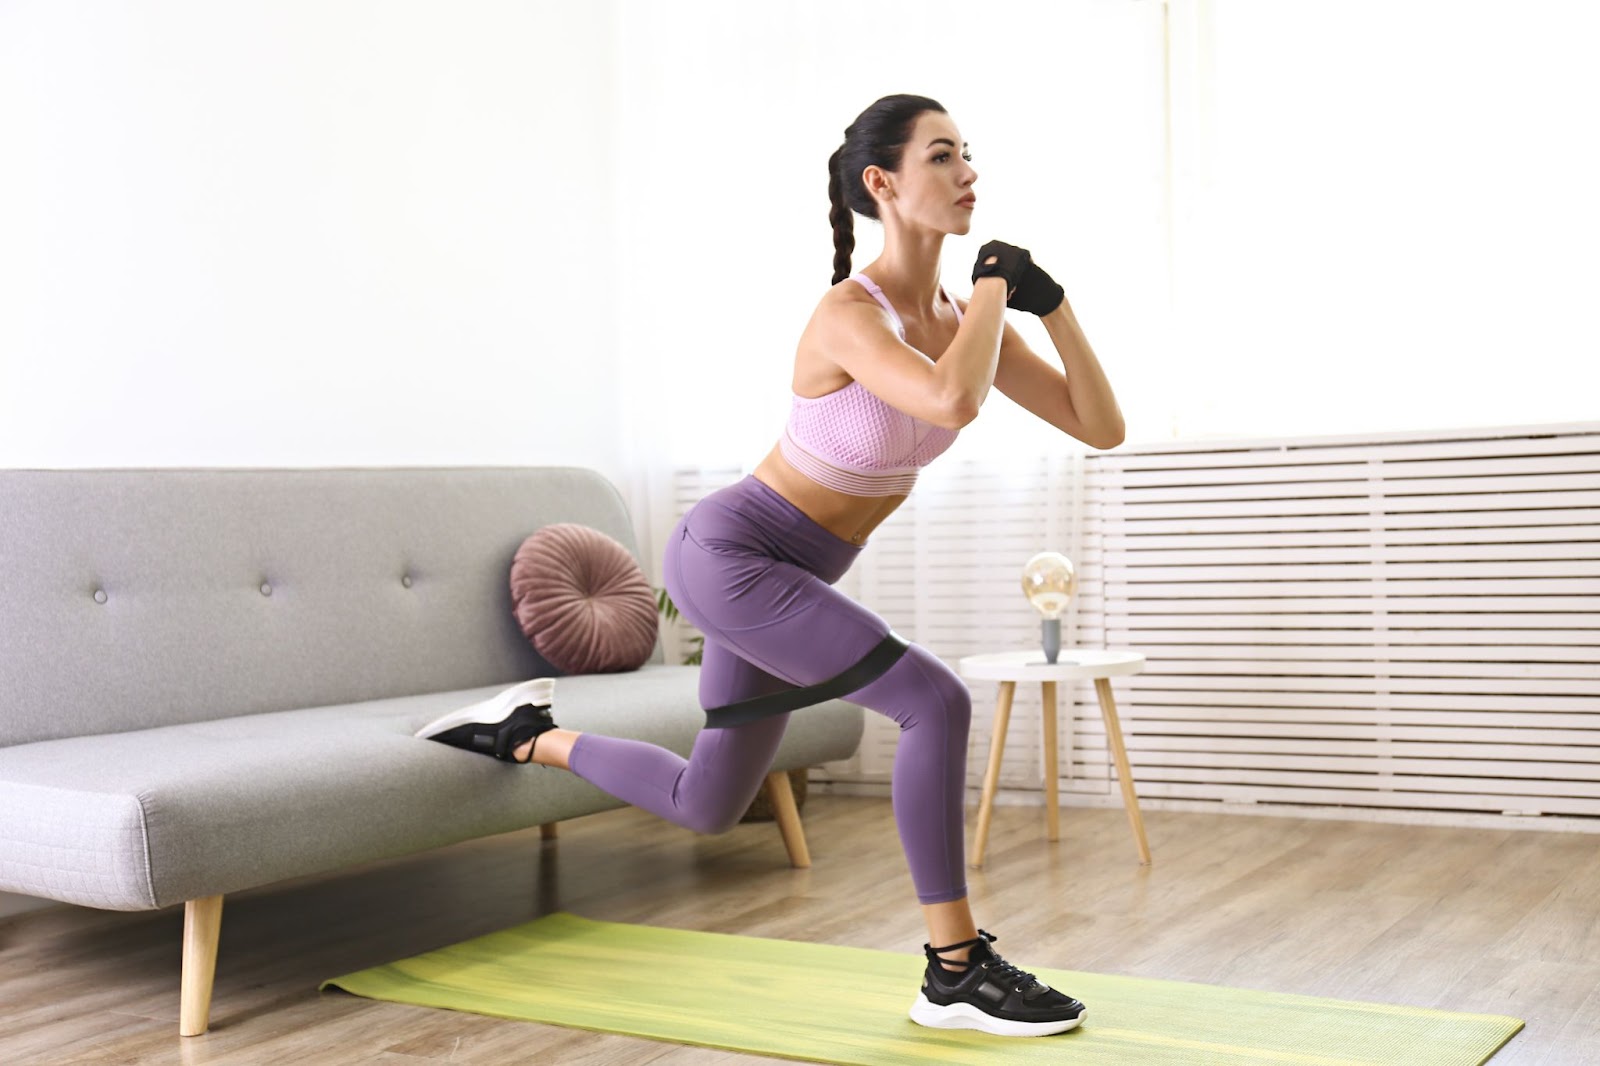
(1398, 621)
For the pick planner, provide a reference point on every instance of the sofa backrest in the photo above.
(137, 598)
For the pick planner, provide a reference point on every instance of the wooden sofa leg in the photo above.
(202, 925)
(794, 835)
(547, 830)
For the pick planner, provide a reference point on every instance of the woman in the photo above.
(752, 565)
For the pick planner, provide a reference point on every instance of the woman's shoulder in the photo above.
(843, 293)
(848, 288)
(817, 371)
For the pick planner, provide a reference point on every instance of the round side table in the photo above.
(1072, 664)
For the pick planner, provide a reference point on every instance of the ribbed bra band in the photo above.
(830, 473)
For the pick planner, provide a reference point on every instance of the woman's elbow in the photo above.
(960, 414)
(1106, 443)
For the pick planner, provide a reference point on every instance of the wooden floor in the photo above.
(1491, 921)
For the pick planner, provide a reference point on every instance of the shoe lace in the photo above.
(1023, 981)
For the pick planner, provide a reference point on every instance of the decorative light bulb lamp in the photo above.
(1050, 582)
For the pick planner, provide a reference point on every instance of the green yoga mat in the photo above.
(822, 1003)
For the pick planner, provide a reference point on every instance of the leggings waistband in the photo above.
(752, 514)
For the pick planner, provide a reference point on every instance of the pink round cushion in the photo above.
(582, 601)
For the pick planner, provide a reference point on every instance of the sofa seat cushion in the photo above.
(153, 817)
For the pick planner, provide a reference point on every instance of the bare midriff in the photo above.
(850, 518)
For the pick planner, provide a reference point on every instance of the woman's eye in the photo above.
(946, 155)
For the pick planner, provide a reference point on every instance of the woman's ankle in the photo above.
(553, 747)
(950, 923)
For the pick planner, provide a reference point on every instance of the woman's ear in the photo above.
(877, 182)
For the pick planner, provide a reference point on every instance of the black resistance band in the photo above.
(873, 666)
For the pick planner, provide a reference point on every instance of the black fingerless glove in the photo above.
(1010, 263)
(1037, 292)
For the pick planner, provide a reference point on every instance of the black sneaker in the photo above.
(500, 724)
(991, 995)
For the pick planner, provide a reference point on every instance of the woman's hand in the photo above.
(1036, 292)
(999, 259)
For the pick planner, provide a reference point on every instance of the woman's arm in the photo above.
(1092, 398)
(1042, 389)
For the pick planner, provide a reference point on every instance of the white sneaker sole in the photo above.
(539, 692)
(966, 1016)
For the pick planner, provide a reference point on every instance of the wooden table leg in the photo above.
(1052, 820)
(1130, 800)
(991, 779)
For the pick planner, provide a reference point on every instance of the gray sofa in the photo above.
(209, 679)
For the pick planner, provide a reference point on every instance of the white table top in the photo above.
(1071, 664)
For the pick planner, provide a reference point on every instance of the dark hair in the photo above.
(877, 137)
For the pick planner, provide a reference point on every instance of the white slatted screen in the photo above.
(1389, 626)
(1395, 621)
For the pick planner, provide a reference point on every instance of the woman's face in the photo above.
(935, 176)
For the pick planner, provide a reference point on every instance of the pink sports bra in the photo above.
(854, 442)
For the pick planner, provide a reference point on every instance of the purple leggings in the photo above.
(754, 573)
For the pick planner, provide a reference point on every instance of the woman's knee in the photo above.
(956, 699)
(920, 685)
(714, 821)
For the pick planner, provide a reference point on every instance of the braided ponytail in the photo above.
(844, 227)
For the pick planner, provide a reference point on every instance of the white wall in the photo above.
(1387, 217)
(307, 234)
